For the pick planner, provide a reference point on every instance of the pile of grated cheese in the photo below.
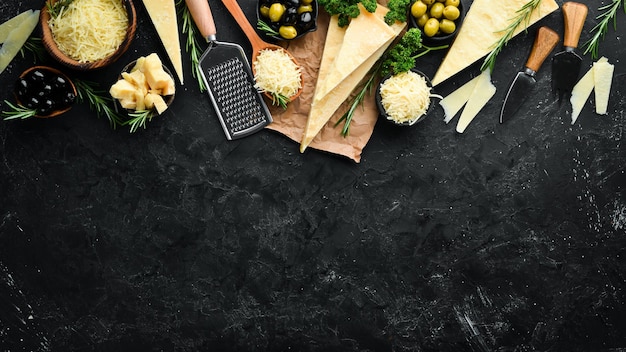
(275, 72)
(405, 97)
(90, 30)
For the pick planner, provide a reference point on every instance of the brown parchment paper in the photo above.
(292, 121)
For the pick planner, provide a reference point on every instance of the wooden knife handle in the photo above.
(202, 16)
(545, 41)
(235, 10)
(574, 15)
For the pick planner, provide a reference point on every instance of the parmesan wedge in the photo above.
(483, 91)
(11, 24)
(16, 39)
(454, 102)
(482, 27)
(602, 78)
(163, 15)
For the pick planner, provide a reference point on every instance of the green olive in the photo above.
(307, 2)
(421, 21)
(428, 2)
(451, 13)
(305, 8)
(453, 3)
(264, 10)
(446, 26)
(431, 27)
(418, 9)
(436, 10)
(287, 32)
(276, 11)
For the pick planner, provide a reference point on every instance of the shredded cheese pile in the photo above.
(277, 73)
(90, 30)
(405, 97)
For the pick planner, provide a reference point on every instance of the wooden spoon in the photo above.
(257, 43)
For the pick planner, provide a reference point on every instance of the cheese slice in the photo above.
(16, 39)
(11, 24)
(454, 102)
(483, 26)
(322, 109)
(602, 79)
(163, 16)
(365, 35)
(582, 89)
(483, 91)
(332, 45)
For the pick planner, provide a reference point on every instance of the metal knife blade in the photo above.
(566, 64)
(524, 81)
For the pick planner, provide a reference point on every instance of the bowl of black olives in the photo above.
(439, 20)
(46, 90)
(286, 19)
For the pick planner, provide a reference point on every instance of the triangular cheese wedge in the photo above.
(364, 36)
(16, 39)
(163, 16)
(11, 24)
(483, 26)
(323, 108)
(332, 46)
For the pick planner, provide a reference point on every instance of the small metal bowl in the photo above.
(33, 80)
(440, 38)
(417, 119)
(301, 27)
(51, 46)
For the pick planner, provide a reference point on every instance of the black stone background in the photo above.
(505, 238)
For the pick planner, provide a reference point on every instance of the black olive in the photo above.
(69, 98)
(37, 76)
(46, 107)
(32, 103)
(59, 82)
(306, 18)
(294, 3)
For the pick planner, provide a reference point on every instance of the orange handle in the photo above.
(545, 41)
(242, 20)
(574, 15)
(202, 16)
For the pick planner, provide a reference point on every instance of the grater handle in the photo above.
(239, 16)
(203, 18)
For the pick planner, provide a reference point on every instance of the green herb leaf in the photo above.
(57, 7)
(18, 112)
(599, 30)
(138, 119)
(98, 101)
(397, 11)
(347, 9)
(262, 26)
(192, 46)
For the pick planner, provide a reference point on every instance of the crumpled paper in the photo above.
(292, 121)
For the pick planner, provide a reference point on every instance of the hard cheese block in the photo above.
(16, 39)
(483, 26)
(8, 26)
(365, 35)
(163, 16)
(323, 107)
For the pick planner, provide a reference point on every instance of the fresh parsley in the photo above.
(347, 9)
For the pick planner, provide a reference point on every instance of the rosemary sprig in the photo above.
(279, 99)
(523, 16)
(34, 45)
(18, 112)
(192, 46)
(261, 25)
(357, 101)
(55, 9)
(98, 101)
(600, 29)
(138, 119)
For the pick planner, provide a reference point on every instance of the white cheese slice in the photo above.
(16, 39)
(332, 45)
(364, 36)
(483, 91)
(483, 26)
(163, 16)
(454, 102)
(11, 24)
(602, 77)
(582, 90)
(323, 108)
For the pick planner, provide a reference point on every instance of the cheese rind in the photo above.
(483, 91)
(16, 39)
(454, 102)
(483, 26)
(163, 15)
(12, 23)
(602, 78)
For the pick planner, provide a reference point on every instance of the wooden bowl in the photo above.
(54, 51)
(49, 78)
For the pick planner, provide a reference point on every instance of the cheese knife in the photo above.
(566, 64)
(523, 82)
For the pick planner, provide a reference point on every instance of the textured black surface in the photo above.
(505, 238)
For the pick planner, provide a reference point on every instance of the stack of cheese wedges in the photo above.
(349, 54)
(14, 33)
(483, 26)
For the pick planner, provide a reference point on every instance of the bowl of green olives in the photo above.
(281, 20)
(439, 20)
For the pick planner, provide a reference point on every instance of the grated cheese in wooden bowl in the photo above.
(276, 73)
